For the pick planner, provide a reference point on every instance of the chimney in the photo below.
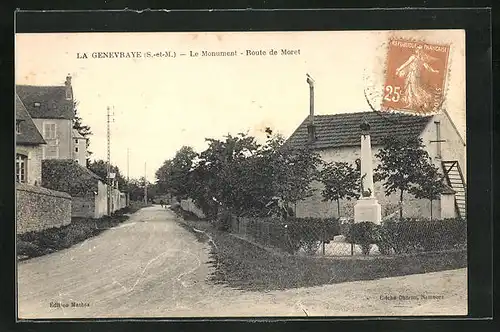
(69, 89)
(311, 129)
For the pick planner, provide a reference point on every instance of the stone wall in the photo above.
(101, 200)
(189, 205)
(39, 208)
(95, 206)
(119, 200)
(83, 207)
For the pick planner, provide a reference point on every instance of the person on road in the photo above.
(162, 203)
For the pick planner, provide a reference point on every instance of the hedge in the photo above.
(423, 235)
(294, 233)
(410, 235)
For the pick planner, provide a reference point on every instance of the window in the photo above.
(76, 149)
(49, 131)
(76, 141)
(21, 163)
(18, 127)
(438, 139)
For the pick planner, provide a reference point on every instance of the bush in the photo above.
(28, 249)
(345, 224)
(294, 233)
(414, 235)
(223, 221)
(364, 234)
(310, 233)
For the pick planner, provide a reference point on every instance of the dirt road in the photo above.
(152, 267)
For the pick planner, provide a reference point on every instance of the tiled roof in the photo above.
(68, 176)
(29, 134)
(52, 99)
(340, 130)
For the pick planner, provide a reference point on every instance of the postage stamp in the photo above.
(415, 76)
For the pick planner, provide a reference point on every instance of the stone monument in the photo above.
(367, 207)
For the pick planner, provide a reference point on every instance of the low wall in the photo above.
(118, 200)
(39, 208)
(83, 207)
(188, 205)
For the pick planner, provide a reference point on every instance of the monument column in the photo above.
(367, 207)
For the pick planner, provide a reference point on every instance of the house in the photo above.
(337, 138)
(37, 208)
(52, 111)
(80, 148)
(29, 146)
(88, 191)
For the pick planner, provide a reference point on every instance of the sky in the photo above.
(163, 103)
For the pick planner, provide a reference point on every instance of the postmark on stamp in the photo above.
(415, 76)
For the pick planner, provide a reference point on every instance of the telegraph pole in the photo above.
(108, 171)
(145, 186)
(128, 180)
(108, 166)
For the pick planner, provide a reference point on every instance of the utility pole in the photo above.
(108, 168)
(108, 171)
(145, 186)
(128, 180)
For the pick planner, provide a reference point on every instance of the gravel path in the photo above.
(150, 266)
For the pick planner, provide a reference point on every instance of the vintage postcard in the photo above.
(241, 174)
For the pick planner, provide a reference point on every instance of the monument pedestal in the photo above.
(367, 209)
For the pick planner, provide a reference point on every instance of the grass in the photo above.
(243, 265)
(34, 244)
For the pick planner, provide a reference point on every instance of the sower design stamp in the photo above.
(415, 77)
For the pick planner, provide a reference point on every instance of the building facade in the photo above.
(88, 191)
(79, 148)
(37, 208)
(337, 138)
(52, 111)
(29, 147)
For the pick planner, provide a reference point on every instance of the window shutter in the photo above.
(50, 130)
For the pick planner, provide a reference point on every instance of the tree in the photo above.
(162, 176)
(174, 175)
(430, 185)
(82, 129)
(135, 189)
(227, 169)
(292, 169)
(100, 167)
(403, 161)
(237, 174)
(341, 181)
